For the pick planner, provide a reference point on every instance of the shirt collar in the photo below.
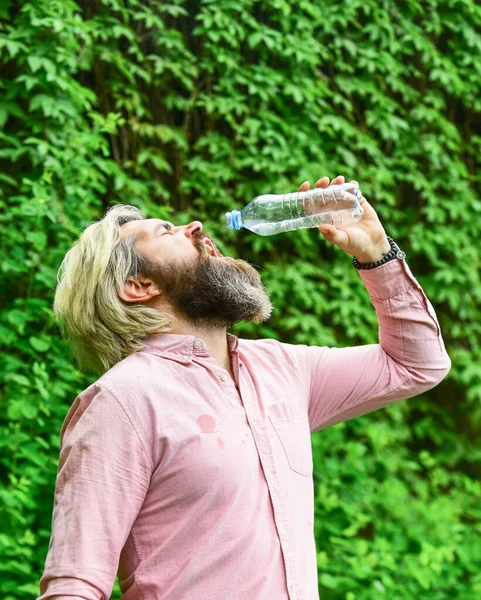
(180, 347)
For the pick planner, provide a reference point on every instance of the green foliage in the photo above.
(187, 109)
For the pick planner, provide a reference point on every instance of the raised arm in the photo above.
(410, 357)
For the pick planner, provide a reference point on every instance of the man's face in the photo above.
(202, 286)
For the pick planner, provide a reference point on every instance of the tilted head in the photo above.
(125, 269)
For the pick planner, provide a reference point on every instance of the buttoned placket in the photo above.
(264, 446)
(280, 517)
(229, 386)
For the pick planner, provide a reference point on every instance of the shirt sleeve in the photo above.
(409, 359)
(103, 477)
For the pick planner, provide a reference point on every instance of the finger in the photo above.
(354, 182)
(331, 234)
(338, 180)
(322, 183)
(369, 211)
(304, 186)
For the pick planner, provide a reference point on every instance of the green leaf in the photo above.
(40, 344)
(38, 239)
(18, 378)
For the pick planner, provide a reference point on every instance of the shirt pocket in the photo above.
(294, 435)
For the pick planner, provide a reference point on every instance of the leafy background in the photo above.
(189, 108)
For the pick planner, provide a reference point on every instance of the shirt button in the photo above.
(291, 588)
(186, 356)
(223, 377)
(196, 344)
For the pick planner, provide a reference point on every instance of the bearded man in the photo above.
(186, 468)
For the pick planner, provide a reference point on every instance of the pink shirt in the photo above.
(193, 491)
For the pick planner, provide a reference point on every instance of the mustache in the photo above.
(200, 246)
(198, 240)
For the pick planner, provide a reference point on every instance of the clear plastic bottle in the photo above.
(270, 214)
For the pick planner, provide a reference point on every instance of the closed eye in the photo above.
(167, 228)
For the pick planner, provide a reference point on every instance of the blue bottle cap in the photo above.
(233, 220)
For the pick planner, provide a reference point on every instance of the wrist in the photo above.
(394, 252)
(375, 254)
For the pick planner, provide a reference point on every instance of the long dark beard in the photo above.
(213, 292)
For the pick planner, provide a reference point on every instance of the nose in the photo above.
(191, 228)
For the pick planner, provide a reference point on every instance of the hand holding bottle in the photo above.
(366, 239)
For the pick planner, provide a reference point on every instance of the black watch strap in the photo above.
(395, 252)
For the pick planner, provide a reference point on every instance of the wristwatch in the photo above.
(395, 252)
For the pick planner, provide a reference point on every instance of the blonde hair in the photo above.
(101, 328)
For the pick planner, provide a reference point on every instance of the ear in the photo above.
(141, 289)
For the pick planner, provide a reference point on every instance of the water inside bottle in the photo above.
(338, 218)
